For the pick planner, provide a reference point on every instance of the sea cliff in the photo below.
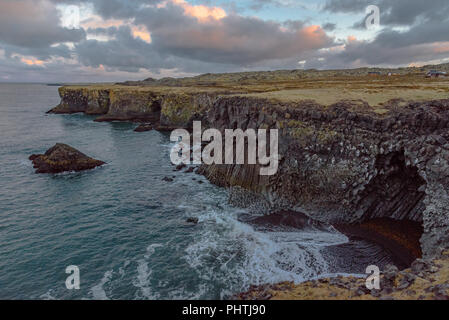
(353, 148)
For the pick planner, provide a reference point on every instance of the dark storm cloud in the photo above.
(33, 24)
(238, 40)
(370, 54)
(395, 12)
(179, 41)
(330, 26)
(260, 4)
(41, 53)
(434, 31)
(31, 28)
(124, 52)
(424, 38)
(233, 40)
(120, 9)
(186, 42)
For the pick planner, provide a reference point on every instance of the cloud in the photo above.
(261, 4)
(179, 31)
(141, 37)
(238, 40)
(125, 52)
(397, 12)
(411, 30)
(108, 9)
(330, 26)
(201, 12)
(33, 24)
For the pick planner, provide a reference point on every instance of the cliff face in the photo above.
(346, 162)
(168, 107)
(89, 101)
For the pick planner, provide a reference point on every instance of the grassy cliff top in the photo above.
(376, 90)
(325, 87)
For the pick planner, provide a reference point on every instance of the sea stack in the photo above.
(63, 158)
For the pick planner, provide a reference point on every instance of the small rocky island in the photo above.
(63, 158)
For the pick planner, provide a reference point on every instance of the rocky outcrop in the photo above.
(86, 100)
(62, 158)
(132, 105)
(165, 108)
(425, 280)
(144, 127)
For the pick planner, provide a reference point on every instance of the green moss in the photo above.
(179, 108)
(327, 136)
(305, 133)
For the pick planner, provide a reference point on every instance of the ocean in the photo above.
(125, 228)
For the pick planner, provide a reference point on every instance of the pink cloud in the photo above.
(138, 31)
(141, 32)
(202, 13)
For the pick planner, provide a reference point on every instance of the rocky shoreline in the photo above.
(424, 280)
(346, 162)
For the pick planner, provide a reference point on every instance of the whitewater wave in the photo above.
(233, 255)
(144, 272)
(98, 292)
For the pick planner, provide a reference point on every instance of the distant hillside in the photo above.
(217, 79)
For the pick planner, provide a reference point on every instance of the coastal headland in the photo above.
(365, 151)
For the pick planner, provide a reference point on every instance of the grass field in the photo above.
(323, 87)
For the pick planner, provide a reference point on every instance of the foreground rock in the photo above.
(425, 280)
(62, 158)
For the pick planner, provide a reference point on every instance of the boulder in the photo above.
(192, 220)
(63, 158)
(180, 167)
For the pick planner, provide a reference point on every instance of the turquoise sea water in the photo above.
(121, 224)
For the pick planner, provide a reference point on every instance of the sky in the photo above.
(117, 40)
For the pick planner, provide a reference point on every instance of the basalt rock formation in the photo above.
(345, 164)
(93, 102)
(164, 107)
(353, 149)
(62, 158)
